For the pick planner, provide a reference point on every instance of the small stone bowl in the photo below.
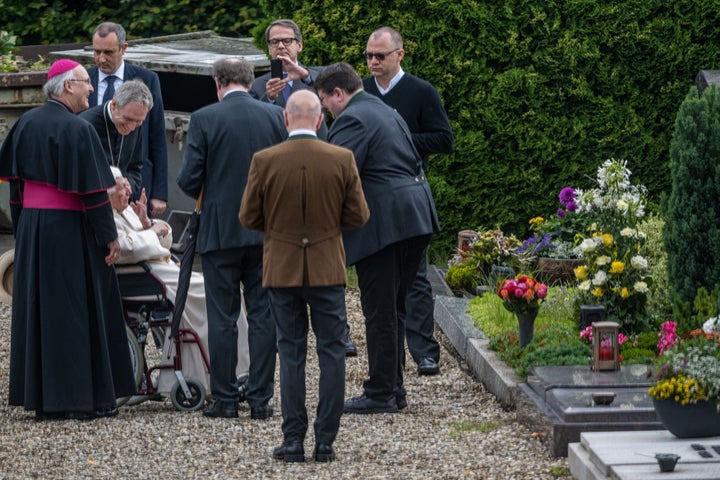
(603, 398)
(667, 461)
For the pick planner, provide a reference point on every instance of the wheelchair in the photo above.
(149, 322)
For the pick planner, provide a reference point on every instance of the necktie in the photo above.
(287, 89)
(110, 89)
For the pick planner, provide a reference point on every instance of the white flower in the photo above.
(627, 232)
(622, 205)
(639, 262)
(588, 245)
(600, 278)
(603, 260)
(584, 286)
(711, 325)
(640, 287)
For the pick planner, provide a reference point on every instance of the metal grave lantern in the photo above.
(605, 346)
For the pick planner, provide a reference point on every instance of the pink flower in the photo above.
(667, 335)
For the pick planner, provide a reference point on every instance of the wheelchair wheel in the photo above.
(136, 360)
(197, 396)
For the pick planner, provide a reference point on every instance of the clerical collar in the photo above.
(392, 83)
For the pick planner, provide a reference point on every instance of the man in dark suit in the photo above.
(301, 193)
(284, 42)
(386, 252)
(116, 122)
(419, 104)
(221, 140)
(109, 46)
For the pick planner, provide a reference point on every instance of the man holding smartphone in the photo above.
(287, 75)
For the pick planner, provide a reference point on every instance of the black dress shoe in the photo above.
(401, 401)
(350, 348)
(291, 451)
(428, 366)
(221, 409)
(324, 453)
(42, 416)
(366, 405)
(262, 412)
(100, 413)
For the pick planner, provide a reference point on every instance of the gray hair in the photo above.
(133, 91)
(106, 28)
(55, 86)
(233, 70)
(287, 23)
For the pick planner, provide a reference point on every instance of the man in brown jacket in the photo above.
(301, 193)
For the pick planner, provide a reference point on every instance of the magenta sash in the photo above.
(40, 195)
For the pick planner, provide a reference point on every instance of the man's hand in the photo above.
(160, 228)
(157, 207)
(293, 70)
(114, 254)
(140, 209)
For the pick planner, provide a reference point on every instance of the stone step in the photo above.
(630, 456)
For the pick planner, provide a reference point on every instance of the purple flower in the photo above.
(567, 195)
(561, 213)
(571, 206)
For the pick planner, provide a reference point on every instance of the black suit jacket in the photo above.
(396, 190)
(154, 144)
(221, 141)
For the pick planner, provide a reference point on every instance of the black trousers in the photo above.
(384, 279)
(289, 307)
(419, 317)
(224, 271)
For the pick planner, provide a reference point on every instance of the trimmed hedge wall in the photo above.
(539, 92)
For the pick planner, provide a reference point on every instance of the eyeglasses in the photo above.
(274, 42)
(379, 56)
(83, 80)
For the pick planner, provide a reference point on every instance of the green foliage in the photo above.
(692, 230)
(7, 42)
(659, 304)
(571, 353)
(46, 22)
(539, 93)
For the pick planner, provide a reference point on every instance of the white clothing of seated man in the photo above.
(144, 240)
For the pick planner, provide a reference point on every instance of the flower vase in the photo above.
(526, 326)
(700, 419)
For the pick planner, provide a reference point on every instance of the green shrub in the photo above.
(692, 230)
(659, 304)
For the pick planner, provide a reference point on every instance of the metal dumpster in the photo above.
(183, 64)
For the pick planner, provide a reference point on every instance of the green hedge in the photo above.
(539, 92)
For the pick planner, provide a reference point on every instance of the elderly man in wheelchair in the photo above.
(148, 241)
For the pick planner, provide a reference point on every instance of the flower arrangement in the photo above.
(586, 335)
(470, 264)
(687, 372)
(522, 294)
(615, 273)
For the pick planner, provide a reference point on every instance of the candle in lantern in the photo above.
(607, 354)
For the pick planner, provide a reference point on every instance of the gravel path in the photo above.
(452, 429)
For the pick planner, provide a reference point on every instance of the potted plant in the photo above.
(686, 384)
(522, 296)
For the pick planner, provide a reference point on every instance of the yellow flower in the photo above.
(607, 239)
(624, 293)
(617, 267)
(598, 291)
(581, 272)
(536, 220)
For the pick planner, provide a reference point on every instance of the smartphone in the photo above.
(276, 68)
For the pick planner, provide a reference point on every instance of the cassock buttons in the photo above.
(305, 241)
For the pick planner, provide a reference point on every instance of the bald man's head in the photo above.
(303, 111)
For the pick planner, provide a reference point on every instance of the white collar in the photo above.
(394, 81)
(302, 131)
(119, 73)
